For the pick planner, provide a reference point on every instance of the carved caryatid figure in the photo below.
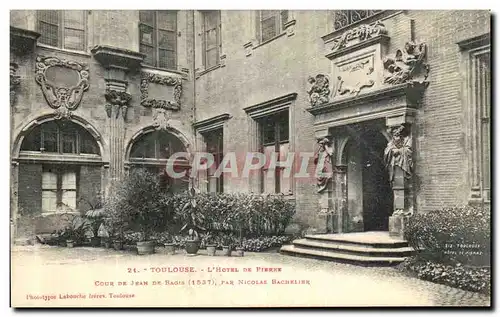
(324, 156)
(120, 99)
(398, 153)
(319, 90)
(406, 65)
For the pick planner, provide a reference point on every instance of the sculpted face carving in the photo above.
(119, 99)
(63, 82)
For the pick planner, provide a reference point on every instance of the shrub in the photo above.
(451, 235)
(139, 203)
(476, 279)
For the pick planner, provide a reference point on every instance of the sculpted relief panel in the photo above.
(354, 75)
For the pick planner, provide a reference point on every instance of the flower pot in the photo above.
(145, 247)
(70, 243)
(192, 246)
(240, 251)
(211, 249)
(118, 245)
(169, 248)
(95, 241)
(106, 244)
(226, 250)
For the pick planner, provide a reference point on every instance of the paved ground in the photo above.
(52, 271)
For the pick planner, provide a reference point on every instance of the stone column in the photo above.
(14, 211)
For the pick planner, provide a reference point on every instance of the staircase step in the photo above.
(353, 249)
(373, 241)
(340, 257)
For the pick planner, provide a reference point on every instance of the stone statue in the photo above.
(398, 153)
(325, 156)
(319, 90)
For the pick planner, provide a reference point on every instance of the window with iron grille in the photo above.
(158, 38)
(215, 142)
(274, 140)
(211, 38)
(64, 29)
(344, 18)
(270, 23)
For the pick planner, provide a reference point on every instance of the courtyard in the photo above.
(96, 277)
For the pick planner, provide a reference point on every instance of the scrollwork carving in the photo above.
(58, 96)
(406, 66)
(15, 80)
(319, 90)
(362, 33)
(147, 78)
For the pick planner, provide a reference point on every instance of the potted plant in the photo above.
(210, 245)
(96, 216)
(192, 242)
(240, 251)
(74, 233)
(193, 219)
(226, 246)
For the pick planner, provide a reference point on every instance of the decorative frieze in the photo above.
(15, 80)
(148, 78)
(319, 90)
(118, 99)
(408, 65)
(345, 86)
(359, 34)
(62, 95)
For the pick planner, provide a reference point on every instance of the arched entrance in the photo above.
(152, 151)
(60, 169)
(369, 194)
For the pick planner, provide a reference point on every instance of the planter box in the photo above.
(397, 225)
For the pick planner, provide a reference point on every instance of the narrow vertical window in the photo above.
(158, 38)
(214, 143)
(271, 23)
(211, 38)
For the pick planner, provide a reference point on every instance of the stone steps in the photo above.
(368, 248)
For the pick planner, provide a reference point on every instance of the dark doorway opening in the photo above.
(377, 192)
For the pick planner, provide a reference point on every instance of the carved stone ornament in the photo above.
(61, 94)
(398, 155)
(360, 33)
(407, 66)
(147, 78)
(15, 80)
(319, 90)
(119, 99)
(344, 87)
(161, 118)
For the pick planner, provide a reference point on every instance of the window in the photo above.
(211, 38)
(58, 188)
(271, 23)
(274, 141)
(343, 18)
(483, 83)
(158, 38)
(60, 137)
(158, 145)
(63, 29)
(215, 142)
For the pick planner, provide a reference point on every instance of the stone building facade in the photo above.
(95, 94)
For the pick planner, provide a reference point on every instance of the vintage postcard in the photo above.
(250, 158)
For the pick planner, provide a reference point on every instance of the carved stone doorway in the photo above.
(368, 194)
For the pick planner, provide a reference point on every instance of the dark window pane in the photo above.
(166, 39)
(284, 18)
(147, 17)
(32, 142)
(50, 141)
(167, 59)
(69, 143)
(149, 51)
(268, 131)
(167, 20)
(87, 143)
(49, 34)
(49, 16)
(269, 29)
(74, 19)
(74, 39)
